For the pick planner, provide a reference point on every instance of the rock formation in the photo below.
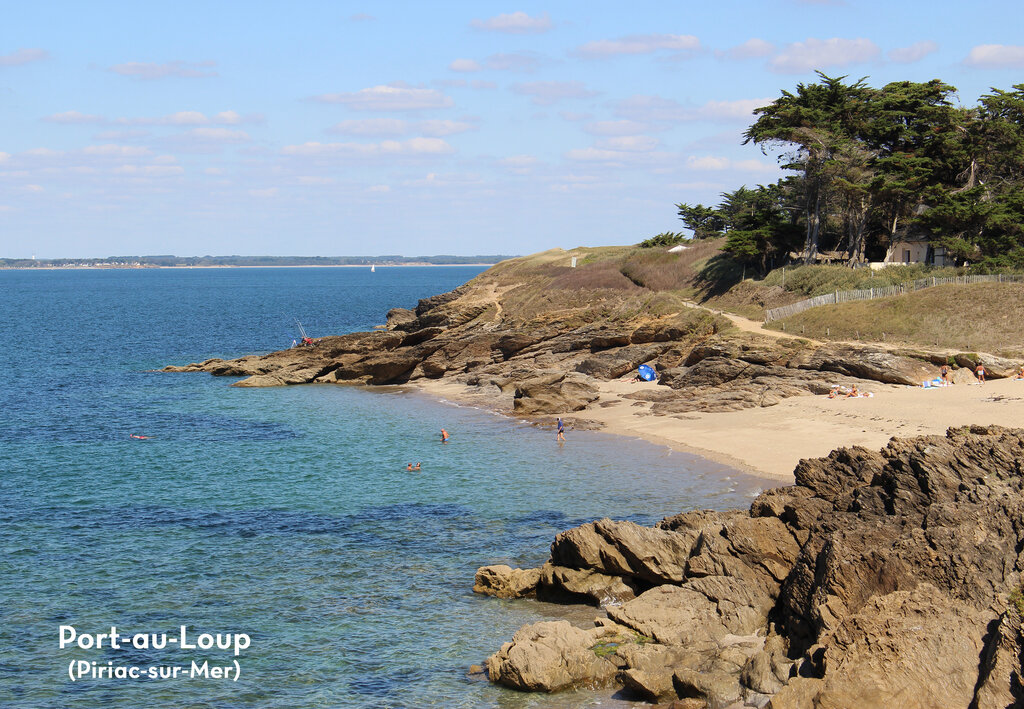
(536, 338)
(880, 579)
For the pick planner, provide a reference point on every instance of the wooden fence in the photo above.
(845, 296)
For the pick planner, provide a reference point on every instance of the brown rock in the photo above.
(502, 581)
(550, 656)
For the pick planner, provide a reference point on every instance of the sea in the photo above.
(267, 547)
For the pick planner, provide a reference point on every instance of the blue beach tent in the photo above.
(646, 372)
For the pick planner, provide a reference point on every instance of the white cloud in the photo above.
(713, 163)
(42, 153)
(121, 135)
(519, 161)
(23, 56)
(151, 70)
(4, 157)
(111, 150)
(218, 135)
(228, 117)
(657, 108)
(996, 56)
(376, 127)
(545, 93)
(378, 188)
(150, 170)
(74, 117)
(624, 127)
(465, 65)
(388, 98)
(478, 84)
(414, 146)
(515, 61)
(751, 49)
(314, 180)
(266, 193)
(639, 44)
(515, 23)
(33, 188)
(440, 128)
(629, 143)
(813, 54)
(913, 53)
(185, 118)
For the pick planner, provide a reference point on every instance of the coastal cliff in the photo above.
(881, 579)
(538, 336)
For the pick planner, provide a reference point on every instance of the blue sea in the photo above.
(283, 515)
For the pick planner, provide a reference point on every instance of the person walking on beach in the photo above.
(561, 431)
(944, 374)
(979, 372)
(444, 436)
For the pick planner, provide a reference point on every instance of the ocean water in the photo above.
(283, 515)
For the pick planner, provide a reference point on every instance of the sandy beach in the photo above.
(770, 441)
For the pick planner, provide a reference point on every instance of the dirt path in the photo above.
(748, 325)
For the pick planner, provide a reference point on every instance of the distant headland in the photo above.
(248, 261)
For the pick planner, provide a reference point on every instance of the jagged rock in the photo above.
(400, 318)
(995, 367)
(868, 363)
(563, 583)
(502, 581)
(963, 376)
(550, 656)
(1001, 664)
(625, 549)
(553, 393)
(916, 649)
(615, 363)
(649, 667)
(718, 689)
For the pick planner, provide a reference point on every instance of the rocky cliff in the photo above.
(536, 336)
(881, 579)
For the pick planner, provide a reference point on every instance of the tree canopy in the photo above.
(871, 166)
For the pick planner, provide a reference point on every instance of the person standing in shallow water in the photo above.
(561, 431)
(444, 436)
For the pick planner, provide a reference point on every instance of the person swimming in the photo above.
(409, 467)
(416, 467)
(138, 436)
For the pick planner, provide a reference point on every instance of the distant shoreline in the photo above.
(185, 268)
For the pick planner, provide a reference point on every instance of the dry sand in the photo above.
(770, 441)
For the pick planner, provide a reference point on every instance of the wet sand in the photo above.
(770, 441)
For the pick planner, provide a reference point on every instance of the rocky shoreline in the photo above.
(880, 579)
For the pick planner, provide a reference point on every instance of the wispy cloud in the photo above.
(612, 128)
(515, 23)
(179, 118)
(149, 71)
(388, 98)
(913, 53)
(414, 146)
(657, 108)
(751, 49)
(23, 56)
(393, 127)
(813, 54)
(638, 44)
(465, 65)
(714, 163)
(545, 93)
(996, 56)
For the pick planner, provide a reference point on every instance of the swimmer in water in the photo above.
(417, 467)
(409, 467)
(444, 436)
(139, 436)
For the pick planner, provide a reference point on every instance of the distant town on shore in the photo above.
(246, 261)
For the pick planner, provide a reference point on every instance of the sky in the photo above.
(413, 128)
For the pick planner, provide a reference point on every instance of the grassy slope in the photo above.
(624, 283)
(986, 317)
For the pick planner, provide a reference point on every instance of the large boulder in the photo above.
(502, 581)
(551, 656)
(553, 394)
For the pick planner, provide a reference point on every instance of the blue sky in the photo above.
(344, 128)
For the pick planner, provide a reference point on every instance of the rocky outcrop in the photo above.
(882, 578)
(549, 341)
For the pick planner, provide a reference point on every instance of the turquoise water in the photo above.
(284, 514)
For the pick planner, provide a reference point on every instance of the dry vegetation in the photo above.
(985, 317)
